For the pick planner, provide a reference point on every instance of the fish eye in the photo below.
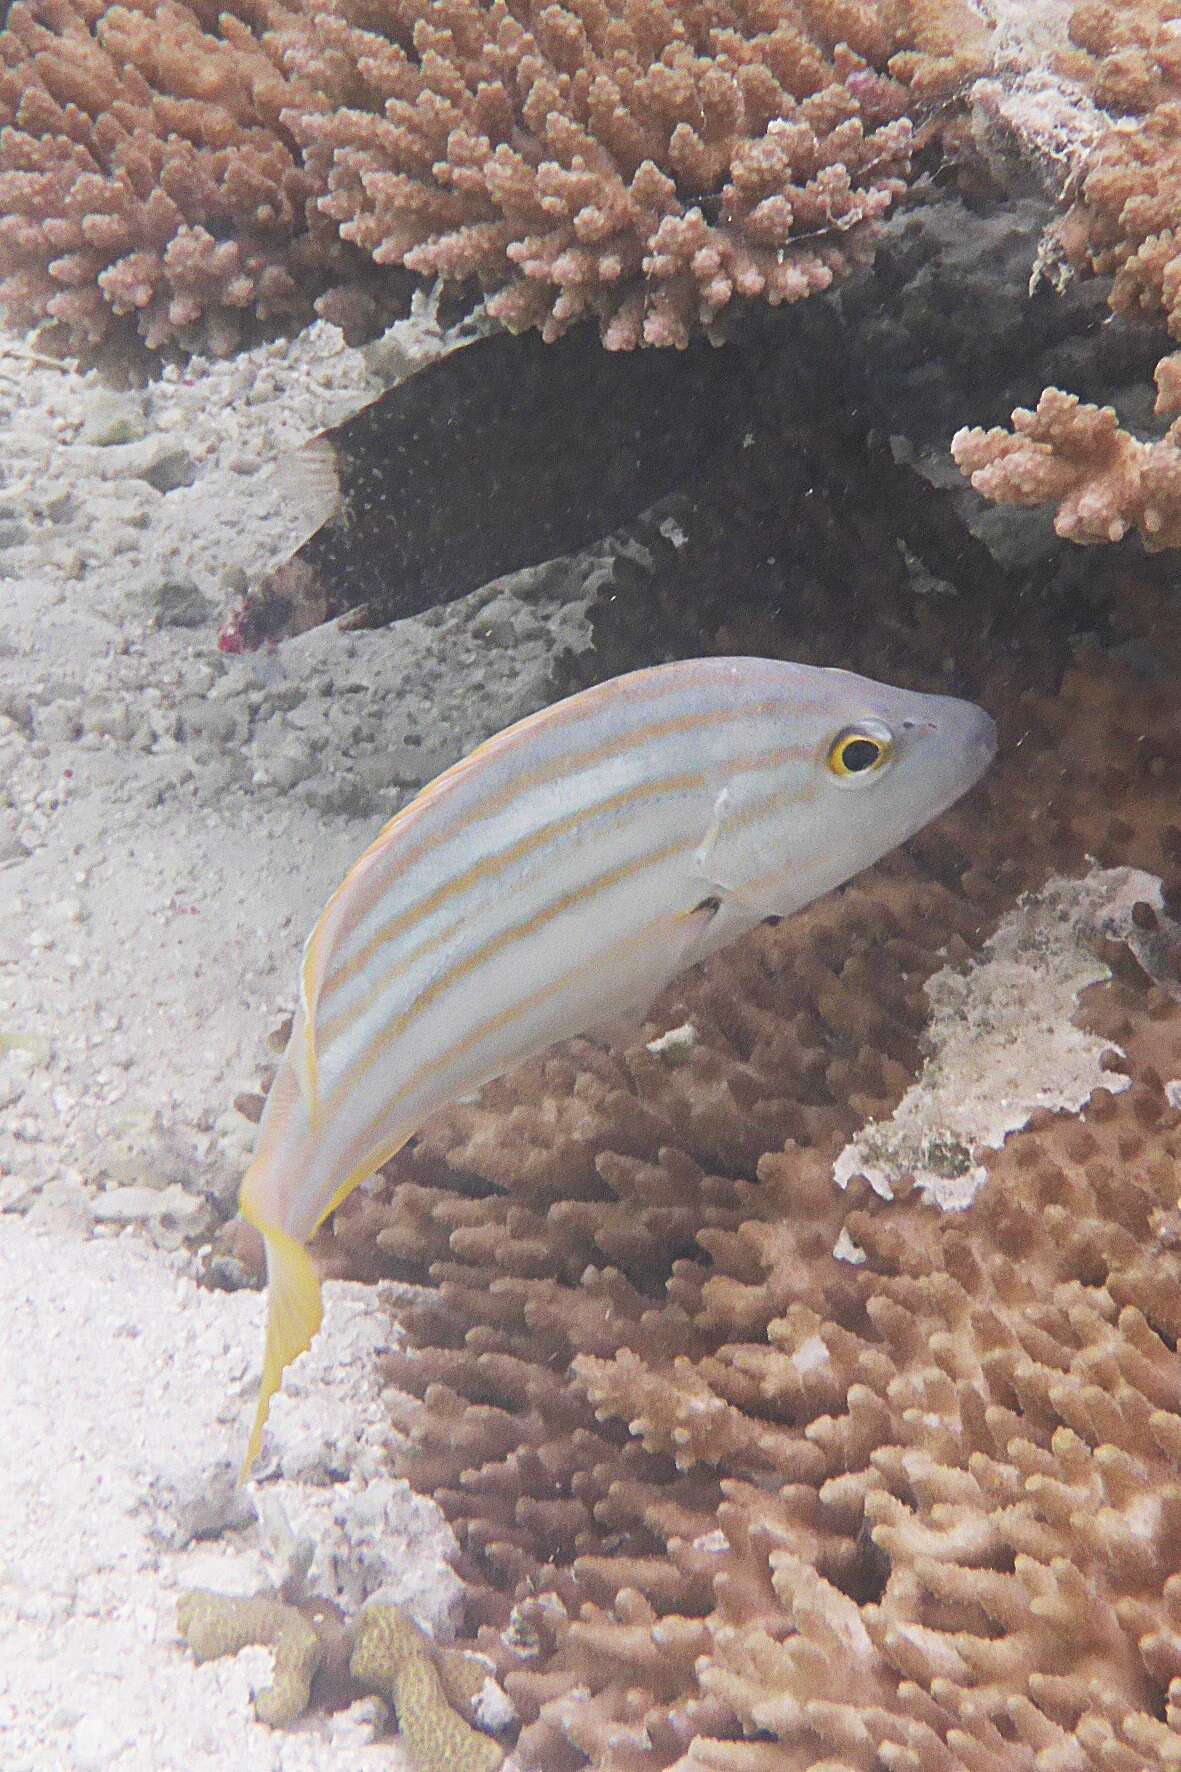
(859, 750)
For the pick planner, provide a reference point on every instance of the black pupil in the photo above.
(859, 754)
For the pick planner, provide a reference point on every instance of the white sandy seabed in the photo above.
(125, 1390)
(171, 821)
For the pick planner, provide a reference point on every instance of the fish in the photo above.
(556, 879)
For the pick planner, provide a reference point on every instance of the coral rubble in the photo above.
(750, 1473)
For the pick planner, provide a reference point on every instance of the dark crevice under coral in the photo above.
(451, 478)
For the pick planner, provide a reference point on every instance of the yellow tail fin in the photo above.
(294, 1313)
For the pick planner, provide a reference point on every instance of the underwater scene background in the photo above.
(788, 1379)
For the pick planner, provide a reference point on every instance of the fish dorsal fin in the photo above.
(318, 947)
(305, 1059)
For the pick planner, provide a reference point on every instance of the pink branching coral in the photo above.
(146, 177)
(1123, 223)
(642, 161)
(1075, 456)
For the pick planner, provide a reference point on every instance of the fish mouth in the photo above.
(968, 754)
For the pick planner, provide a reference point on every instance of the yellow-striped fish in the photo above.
(558, 876)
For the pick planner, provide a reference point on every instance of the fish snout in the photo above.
(981, 739)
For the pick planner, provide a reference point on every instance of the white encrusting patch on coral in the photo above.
(811, 1355)
(1003, 1040)
(1029, 106)
(845, 1249)
(675, 1045)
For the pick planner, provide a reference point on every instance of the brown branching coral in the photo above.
(1103, 481)
(641, 162)
(147, 179)
(747, 1473)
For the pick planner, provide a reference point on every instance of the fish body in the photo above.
(559, 876)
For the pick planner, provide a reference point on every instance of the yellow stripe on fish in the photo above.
(558, 876)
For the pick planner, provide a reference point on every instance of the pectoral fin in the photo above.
(642, 966)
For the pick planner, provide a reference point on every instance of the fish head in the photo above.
(888, 761)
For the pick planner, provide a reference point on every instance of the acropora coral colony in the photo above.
(189, 173)
(750, 1474)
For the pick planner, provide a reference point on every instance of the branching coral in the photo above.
(1076, 456)
(1124, 220)
(1122, 224)
(638, 161)
(748, 1473)
(146, 175)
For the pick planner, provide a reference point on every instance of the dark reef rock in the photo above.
(510, 452)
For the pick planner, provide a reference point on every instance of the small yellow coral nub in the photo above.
(395, 1658)
(220, 1624)
(429, 1685)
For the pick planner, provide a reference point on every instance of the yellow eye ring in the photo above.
(859, 751)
